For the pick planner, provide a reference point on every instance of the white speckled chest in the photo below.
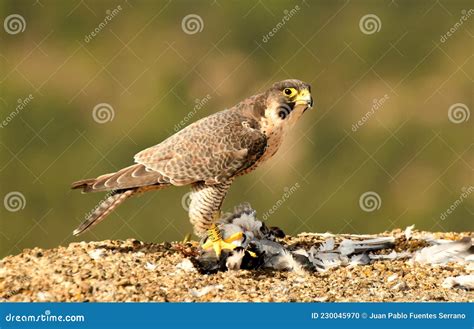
(274, 140)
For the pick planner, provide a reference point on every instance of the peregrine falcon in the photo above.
(207, 155)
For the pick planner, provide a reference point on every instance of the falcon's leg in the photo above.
(204, 211)
(205, 206)
(215, 240)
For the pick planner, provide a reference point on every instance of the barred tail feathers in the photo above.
(103, 210)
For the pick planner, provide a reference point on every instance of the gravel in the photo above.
(131, 270)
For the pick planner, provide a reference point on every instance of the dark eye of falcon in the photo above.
(287, 91)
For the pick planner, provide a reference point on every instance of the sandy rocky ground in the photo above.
(136, 271)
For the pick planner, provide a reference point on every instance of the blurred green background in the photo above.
(152, 63)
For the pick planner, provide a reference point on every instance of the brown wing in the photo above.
(134, 176)
(212, 150)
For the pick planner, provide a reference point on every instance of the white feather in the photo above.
(445, 252)
(462, 281)
(409, 232)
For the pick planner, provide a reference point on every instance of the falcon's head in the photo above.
(286, 101)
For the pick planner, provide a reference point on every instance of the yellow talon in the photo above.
(217, 243)
(251, 253)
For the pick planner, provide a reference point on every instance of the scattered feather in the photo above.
(204, 291)
(445, 252)
(288, 262)
(248, 224)
(186, 265)
(327, 245)
(301, 252)
(409, 232)
(402, 285)
(326, 261)
(43, 296)
(360, 259)
(150, 266)
(234, 262)
(348, 247)
(96, 253)
(391, 256)
(392, 277)
(462, 281)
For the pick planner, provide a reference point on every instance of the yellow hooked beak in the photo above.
(304, 98)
